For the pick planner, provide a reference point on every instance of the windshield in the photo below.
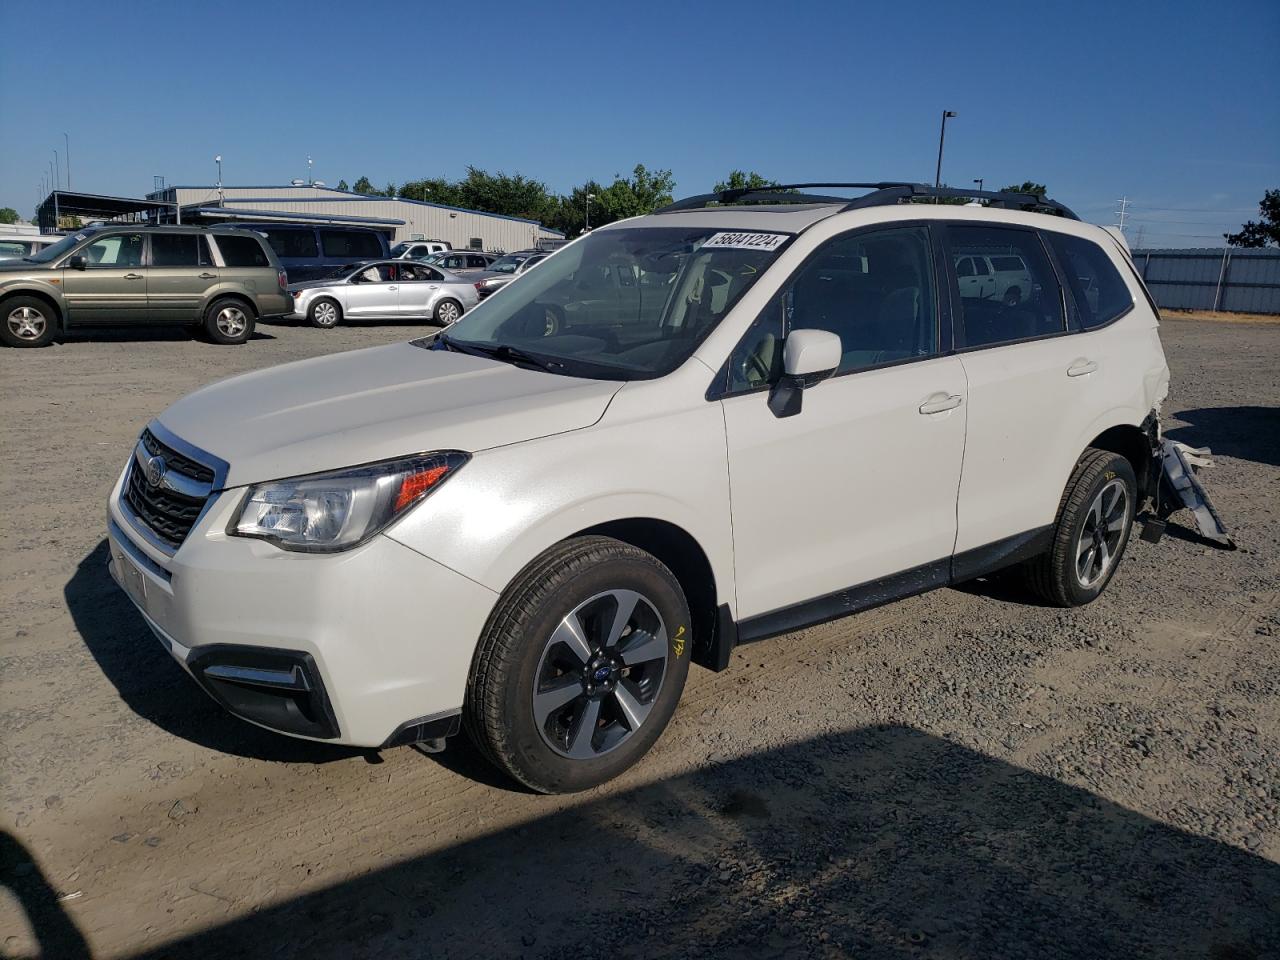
(629, 303)
(507, 264)
(58, 249)
(399, 249)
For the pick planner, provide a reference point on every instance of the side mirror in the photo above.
(808, 358)
(78, 263)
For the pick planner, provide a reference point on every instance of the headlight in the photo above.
(327, 512)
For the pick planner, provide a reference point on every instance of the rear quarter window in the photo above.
(1099, 292)
(352, 244)
(244, 250)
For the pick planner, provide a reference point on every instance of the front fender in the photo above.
(51, 288)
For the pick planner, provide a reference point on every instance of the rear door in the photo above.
(181, 270)
(374, 292)
(1025, 399)
(419, 287)
(112, 287)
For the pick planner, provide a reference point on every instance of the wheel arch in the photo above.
(1134, 444)
(54, 301)
(233, 293)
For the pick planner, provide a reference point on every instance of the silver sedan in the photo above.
(384, 290)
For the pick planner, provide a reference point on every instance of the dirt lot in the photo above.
(963, 774)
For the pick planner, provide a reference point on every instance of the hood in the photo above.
(312, 284)
(376, 404)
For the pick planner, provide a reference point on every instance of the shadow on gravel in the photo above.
(141, 334)
(155, 687)
(54, 932)
(1246, 433)
(877, 843)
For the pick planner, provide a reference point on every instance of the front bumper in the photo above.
(366, 648)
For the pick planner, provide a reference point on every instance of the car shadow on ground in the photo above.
(1246, 433)
(427, 326)
(54, 932)
(881, 842)
(154, 686)
(142, 334)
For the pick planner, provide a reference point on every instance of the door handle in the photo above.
(941, 403)
(433, 287)
(393, 287)
(1082, 367)
(208, 276)
(133, 276)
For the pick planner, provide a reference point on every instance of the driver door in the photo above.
(112, 287)
(374, 292)
(853, 499)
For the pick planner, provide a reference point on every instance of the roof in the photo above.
(99, 205)
(239, 213)
(782, 217)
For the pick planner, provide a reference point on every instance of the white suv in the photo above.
(744, 414)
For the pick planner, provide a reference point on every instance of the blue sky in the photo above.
(1176, 105)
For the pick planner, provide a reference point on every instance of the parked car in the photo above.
(462, 261)
(384, 290)
(220, 278)
(15, 246)
(311, 251)
(530, 534)
(994, 276)
(505, 269)
(419, 249)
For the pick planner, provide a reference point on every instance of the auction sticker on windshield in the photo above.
(746, 241)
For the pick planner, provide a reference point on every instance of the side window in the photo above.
(117, 250)
(350, 244)
(179, 250)
(474, 261)
(1096, 286)
(293, 243)
(242, 250)
(875, 290)
(1010, 304)
(435, 276)
(12, 248)
(964, 267)
(376, 273)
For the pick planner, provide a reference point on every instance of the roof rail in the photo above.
(883, 193)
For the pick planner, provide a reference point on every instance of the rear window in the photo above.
(179, 250)
(1096, 286)
(242, 250)
(293, 243)
(353, 244)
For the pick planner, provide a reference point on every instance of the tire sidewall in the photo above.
(541, 767)
(50, 327)
(440, 306)
(211, 323)
(1117, 468)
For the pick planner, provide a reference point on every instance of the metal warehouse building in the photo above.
(401, 219)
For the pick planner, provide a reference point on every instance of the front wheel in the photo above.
(581, 665)
(1095, 518)
(28, 322)
(447, 312)
(229, 321)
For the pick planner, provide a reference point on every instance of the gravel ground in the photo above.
(963, 774)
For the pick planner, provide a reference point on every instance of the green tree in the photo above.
(364, 185)
(1026, 186)
(643, 192)
(511, 195)
(1264, 231)
(342, 185)
(433, 190)
(8, 215)
(569, 214)
(742, 180)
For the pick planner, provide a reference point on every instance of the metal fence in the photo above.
(1237, 279)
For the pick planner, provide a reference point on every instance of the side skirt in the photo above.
(930, 576)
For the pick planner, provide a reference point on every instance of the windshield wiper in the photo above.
(502, 352)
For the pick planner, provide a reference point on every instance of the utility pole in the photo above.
(1122, 214)
(68, 139)
(310, 181)
(942, 136)
(587, 218)
(222, 200)
(1142, 229)
(57, 169)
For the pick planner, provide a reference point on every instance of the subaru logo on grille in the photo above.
(155, 470)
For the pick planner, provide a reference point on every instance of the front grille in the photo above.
(169, 515)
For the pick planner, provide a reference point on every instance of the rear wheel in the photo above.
(1012, 297)
(581, 665)
(28, 322)
(447, 312)
(325, 314)
(229, 321)
(1095, 518)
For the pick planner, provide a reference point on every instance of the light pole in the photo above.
(942, 136)
(221, 199)
(590, 197)
(57, 169)
(979, 183)
(68, 139)
(309, 180)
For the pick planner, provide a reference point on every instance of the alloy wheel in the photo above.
(231, 321)
(326, 314)
(1104, 525)
(448, 313)
(27, 323)
(600, 674)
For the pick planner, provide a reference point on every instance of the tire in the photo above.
(553, 320)
(27, 322)
(528, 659)
(1012, 297)
(325, 313)
(1080, 563)
(447, 312)
(229, 321)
